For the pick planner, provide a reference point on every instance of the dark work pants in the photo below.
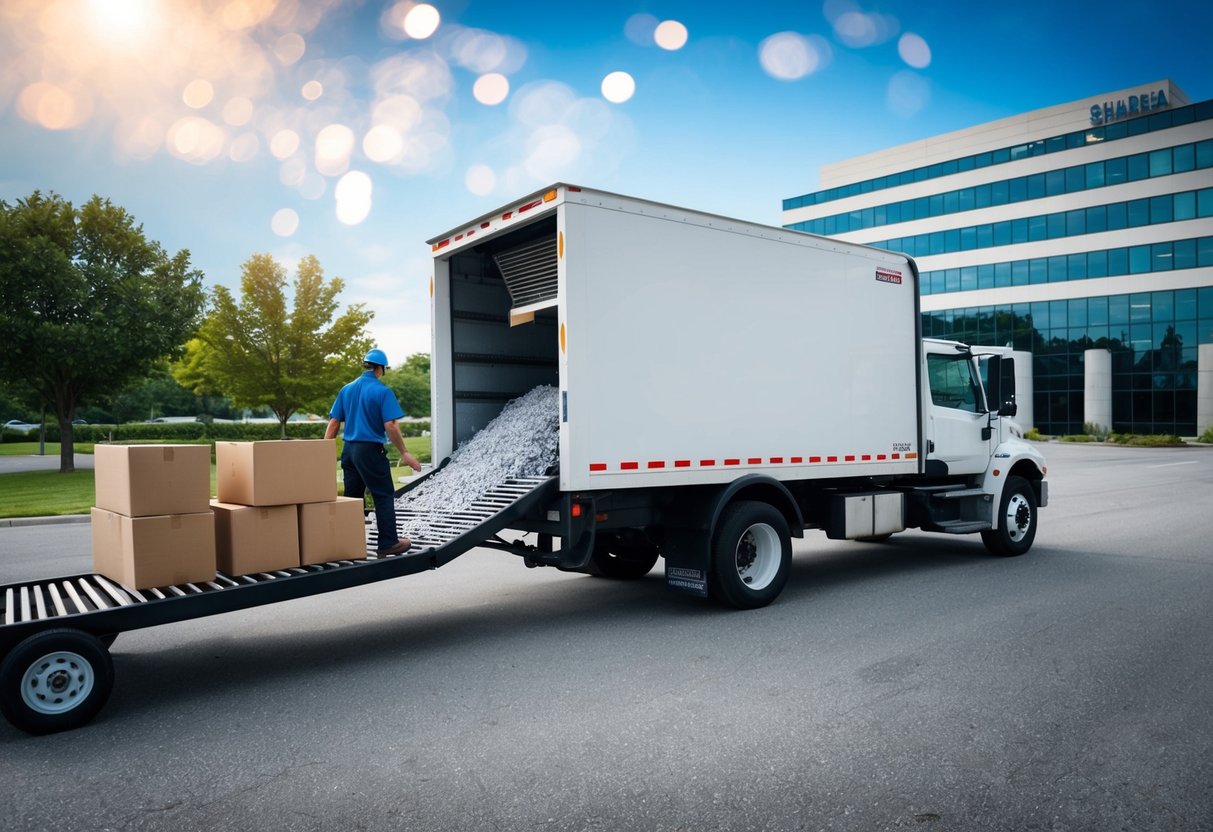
(365, 467)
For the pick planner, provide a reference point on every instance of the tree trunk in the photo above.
(67, 450)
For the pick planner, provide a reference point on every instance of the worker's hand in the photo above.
(411, 461)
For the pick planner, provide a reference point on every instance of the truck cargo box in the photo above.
(687, 348)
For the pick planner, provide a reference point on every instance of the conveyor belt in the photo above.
(102, 606)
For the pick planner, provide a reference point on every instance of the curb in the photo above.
(58, 520)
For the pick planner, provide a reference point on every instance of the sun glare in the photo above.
(122, 20)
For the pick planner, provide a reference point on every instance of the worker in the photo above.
(370, 410)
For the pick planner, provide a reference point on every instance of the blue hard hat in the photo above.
(376, 357)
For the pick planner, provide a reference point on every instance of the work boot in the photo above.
(403, 545)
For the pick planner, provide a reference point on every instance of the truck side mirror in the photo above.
(1001, 394)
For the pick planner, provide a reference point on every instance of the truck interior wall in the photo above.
(493, 362)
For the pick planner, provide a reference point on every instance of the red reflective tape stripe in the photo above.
(485, 224)
(754, 460)
(629, 466)
(896, 456)
(458, 237)
(707, 463)
(732, 462)
(656, 463)
(831, 459)
(796, 460)
(880, 457)
(598, 466)
(444, 243)
(575, 190)
(776, 460)
(682, 463)
(867, 457)
(849, 458)
(470, 233)
(507, 215)
(814, 459)
(530, 206)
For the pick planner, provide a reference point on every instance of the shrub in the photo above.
(1207, 436)
(1079, 437)
(1033, 434)
(1094, 429)
(1155, 440)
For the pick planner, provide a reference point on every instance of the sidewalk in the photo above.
(33, 462)
(11, 522)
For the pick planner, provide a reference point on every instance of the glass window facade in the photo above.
(1159, 257)
(1068, 141)
(1021, 189)
(1111, 217)
(1153, 338)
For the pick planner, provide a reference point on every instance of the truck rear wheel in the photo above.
(751, 555)
(55, 681)
(1016, 520)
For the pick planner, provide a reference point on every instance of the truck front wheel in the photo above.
(751, 555)
(1016, 520)
(55, 681)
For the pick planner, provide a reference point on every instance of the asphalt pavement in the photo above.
(917, 684)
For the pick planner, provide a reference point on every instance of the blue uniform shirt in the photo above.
(365, 404)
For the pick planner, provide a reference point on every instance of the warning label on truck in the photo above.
(888, 276)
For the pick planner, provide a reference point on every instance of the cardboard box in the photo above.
(146, 552)
(250, 539)
(153, 480)
(332, 531)
(276, 472)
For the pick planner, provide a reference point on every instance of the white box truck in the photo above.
(723, 386)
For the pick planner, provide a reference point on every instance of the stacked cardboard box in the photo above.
(152, 525)
(277, 506)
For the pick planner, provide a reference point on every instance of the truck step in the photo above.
(958, 526)
(960, 493)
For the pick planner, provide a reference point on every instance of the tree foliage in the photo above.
(87, 302)
(411, 384)
(260, 353)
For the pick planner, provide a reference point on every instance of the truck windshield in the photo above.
(951, 380)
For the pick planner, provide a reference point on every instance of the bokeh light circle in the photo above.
(491, 89)
(670, 35)
(618, 87)
(914, 50)
(285, 222)
(421, 21)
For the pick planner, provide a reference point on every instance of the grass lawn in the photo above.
(46, 493)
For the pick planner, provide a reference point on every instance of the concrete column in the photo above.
(1025, 415)
(1204, 388)
(1097, 388)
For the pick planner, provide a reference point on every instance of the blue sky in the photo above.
(357, 130)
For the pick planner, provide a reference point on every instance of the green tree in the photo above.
(262, 354)
(411, 384)
(87, 302)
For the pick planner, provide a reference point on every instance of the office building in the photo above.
(1081, 233)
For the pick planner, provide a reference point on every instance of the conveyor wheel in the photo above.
(55, 680)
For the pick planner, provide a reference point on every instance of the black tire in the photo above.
(621, 561)
(1017, 517)
(751, 555)
(55, 681)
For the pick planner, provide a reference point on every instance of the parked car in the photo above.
(79, 421)
(17, 426)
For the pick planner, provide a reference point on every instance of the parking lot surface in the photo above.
(917, 684)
